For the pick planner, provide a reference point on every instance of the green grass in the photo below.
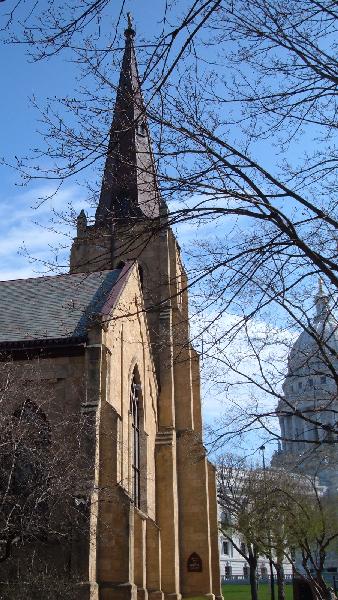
(241, 591)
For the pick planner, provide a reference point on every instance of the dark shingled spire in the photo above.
(129, 186)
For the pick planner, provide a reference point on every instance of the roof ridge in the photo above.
(84, 273)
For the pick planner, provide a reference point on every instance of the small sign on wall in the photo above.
(194, 563)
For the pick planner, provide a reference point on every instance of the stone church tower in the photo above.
(131, 226)
(111, 339)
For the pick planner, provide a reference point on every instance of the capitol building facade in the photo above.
(308, 413)
(234, 567)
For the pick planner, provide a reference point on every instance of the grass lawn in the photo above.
(240, 591)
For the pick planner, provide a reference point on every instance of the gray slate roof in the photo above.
(52, 308)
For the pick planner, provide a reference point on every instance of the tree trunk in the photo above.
(253, 577)
(280, 580)
(321, 590)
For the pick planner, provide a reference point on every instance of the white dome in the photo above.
(310, 388)
(317, 346)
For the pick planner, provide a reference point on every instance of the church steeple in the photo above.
(129, 187)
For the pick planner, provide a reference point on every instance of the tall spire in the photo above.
(129, 187)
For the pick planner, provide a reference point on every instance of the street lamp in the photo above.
(272, 578)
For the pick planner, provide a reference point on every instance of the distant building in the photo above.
(234, 566)
(310, 387)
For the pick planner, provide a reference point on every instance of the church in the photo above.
(104, 353)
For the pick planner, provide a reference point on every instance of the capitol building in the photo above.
(309, 409)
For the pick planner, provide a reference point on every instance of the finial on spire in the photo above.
(320, 286)
(130, 31)
(322, 302)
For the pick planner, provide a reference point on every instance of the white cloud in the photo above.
(242, 368)
(33, 232)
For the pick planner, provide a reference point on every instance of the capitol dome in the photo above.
(307, 413)
(317, 346)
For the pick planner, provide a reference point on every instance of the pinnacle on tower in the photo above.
(81, 223)
(321, 302)
(129, 187)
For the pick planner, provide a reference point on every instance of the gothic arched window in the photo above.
(135, 402)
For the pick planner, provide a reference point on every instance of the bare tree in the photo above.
(44, 485)
(279, 515)
(304, 515)
(40, 581)
(240, 501)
